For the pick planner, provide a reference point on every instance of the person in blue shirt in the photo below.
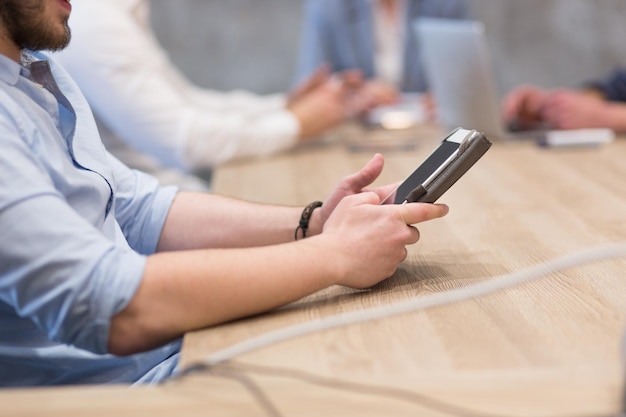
(102, 270)
(373, 36)
(598, 104)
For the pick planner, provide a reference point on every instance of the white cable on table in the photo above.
(447, 297)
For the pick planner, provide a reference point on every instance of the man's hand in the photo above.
(352, 184)
(369, 240)
(375, 93)
(315, 80)
(323, 101)
(523, 107)
(565, 109)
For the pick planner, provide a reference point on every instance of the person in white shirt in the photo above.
(162, 123)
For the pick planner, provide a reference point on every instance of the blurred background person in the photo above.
(154, 119)
(373, 36)
(598, 104)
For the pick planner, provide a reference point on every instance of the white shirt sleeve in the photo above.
(141, 96)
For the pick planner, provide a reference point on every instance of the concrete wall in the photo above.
(229, 44)
(554, 42)
(252, 44)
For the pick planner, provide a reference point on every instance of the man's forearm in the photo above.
(183, 291)
(234, 223)
(616, 117)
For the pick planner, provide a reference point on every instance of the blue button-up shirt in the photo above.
(75, 228)
(613, 87)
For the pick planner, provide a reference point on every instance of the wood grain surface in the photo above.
(552, 347)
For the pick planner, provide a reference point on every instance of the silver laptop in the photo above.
(458, 67)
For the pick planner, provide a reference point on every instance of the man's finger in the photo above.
(317, 78)
(367, 174)
(363, 198)
(413, 213)
(385, 192)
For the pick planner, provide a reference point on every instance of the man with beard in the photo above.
(102, 270)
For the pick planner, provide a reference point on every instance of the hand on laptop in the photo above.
(378, 93)
(323, 101)
(566, 109)
(528, 107)
(522, 107)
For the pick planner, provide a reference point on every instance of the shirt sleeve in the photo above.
(450, 9)
(314, 40)
(56, 269)
(138, 93)
(613, 87)
(141, 206)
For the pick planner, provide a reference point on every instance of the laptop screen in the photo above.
(458, 68)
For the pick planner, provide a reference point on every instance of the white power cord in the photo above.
(447, 297)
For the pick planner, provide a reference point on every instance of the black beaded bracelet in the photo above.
(305, 217)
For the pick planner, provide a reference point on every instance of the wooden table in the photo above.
(547, 348)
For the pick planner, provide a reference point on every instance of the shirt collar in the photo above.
(10, 70)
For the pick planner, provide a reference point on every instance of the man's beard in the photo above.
(27, 25)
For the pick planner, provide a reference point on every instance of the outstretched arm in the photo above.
(189, 289)
(203, 221)
(583, 109)
(144, 99)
